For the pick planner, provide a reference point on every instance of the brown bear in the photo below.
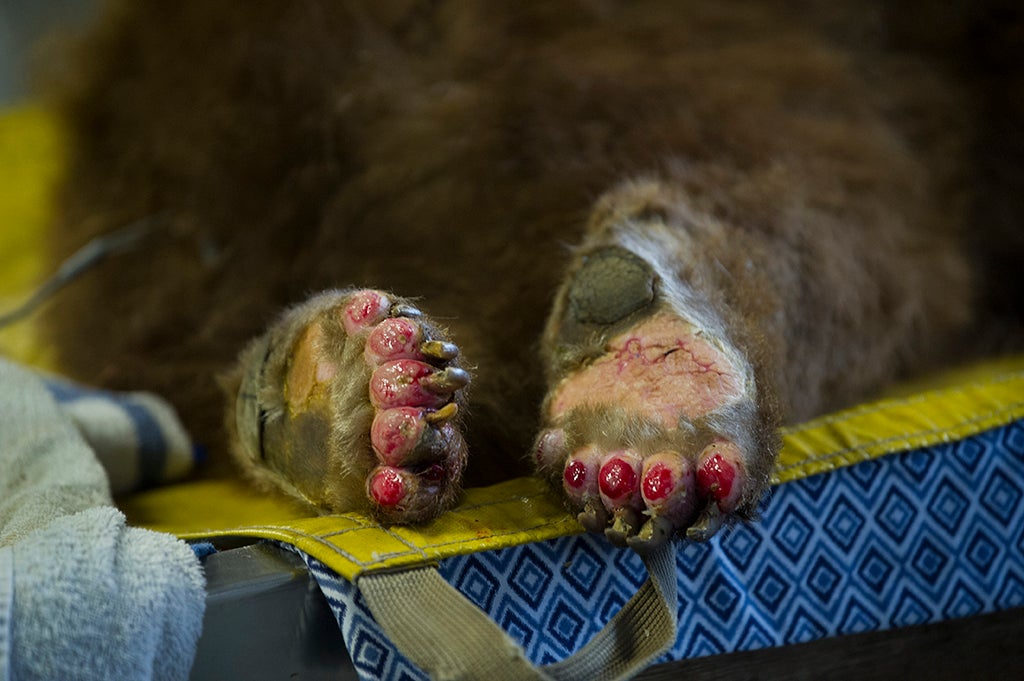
(646, 233)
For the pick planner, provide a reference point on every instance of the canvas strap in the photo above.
(447, 636)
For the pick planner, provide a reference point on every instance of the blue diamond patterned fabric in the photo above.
(911, 538)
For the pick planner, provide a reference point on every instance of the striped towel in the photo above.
(136, 436)
(82, 594)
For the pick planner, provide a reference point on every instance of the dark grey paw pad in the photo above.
(611, 285)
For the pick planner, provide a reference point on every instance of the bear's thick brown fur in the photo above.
(860, 160)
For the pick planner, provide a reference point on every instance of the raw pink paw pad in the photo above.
(720, 474)
(666, 372)
(668, 486)
(365, 308)
(410, 382)
(388, 486)
(643, 422)
(643, 501)
(413, 388)
(619, 480)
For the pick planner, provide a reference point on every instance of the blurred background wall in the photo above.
(24, 26)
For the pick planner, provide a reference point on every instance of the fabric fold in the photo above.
(82, 594)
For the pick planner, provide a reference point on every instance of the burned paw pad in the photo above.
(643, 501)
(413, 388)
(357, 400)
(638, 420)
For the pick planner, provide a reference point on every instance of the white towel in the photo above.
(82, 596)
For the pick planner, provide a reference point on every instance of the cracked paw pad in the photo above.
(628, 423)
(663, 368)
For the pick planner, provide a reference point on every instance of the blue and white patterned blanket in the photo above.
(910, 538)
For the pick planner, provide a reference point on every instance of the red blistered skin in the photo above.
(576, 475)
(719, 475)
(668, 486)
(396, 432)
(394, 338)
(364, 309)
(397, 384)
(658, 483)
(619, 480)
(388, 487)
(579, 477)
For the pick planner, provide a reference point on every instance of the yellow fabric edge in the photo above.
(507, 514)
(899, 424)
(513, 512)
(527, 509)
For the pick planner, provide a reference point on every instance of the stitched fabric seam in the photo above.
(903, 438)
(896, 403)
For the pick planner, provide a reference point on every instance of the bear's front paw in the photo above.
(351, 402)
